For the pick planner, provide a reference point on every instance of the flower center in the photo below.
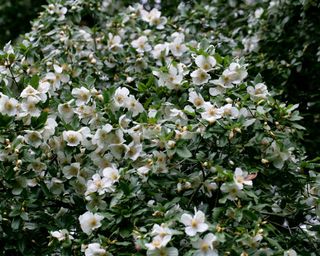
(8, 106)
(198, 102)
(204, 247)
(194, 223)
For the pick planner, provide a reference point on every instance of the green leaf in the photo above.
(34, 81)
(184, 152)
(38, 123)
(15, 223)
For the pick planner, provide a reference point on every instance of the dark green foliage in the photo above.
(15, 17)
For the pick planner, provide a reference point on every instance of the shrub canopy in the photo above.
(125, 132)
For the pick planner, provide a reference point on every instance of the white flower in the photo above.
(90, 221)
(143, 170)
(66, 111)
(171, 79)
(177, 47)
(29, 108)
(162, 232)
(31, 93)
(8, 106)
(234, 74)
(160, 51)
(290, 252)
(61, 235)
(82, 94)
(43, 88)
(239, 178)
(98, 184)
(194, 224)
(121, 96)
(59, 10)
(205, 63)
(57, 77)
(101, 136)
(200, 76)
(156, 243)
(171, 251)
(95, 249)
(229, 110)
(73, 138)
(134, 151)
(72, 170)
(205, 246)
(111, 174)
(259, 91)
(114, 42)
(196, 99)
(141, 44)
(154, 18)
(211, 113)
(49, 128)
(33, 138)
(134, 106)
(231, 189)
(250, 43)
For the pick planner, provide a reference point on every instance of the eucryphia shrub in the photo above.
(123, 132)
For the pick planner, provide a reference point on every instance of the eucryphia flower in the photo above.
(196, 99)
(61, 235)
(141, 44)
(177, 47)
(101, 136)
(95, 249)
(162, 232)
(171, 79)
(240, 178)
(82, 95)
(205, 63)
(29, 108)
(57, 77)
(120, 96)
(205, 246)
(194, 224)
(200, 76)
(290, 252)
(211, 113)
(31, 93)
(90, 221)
(65, 110)
(99, 184)
(171, 251)
(71, 170)
(259, 91)
(233, 75)
(33, 138)
(73, 138)
(160, 51)
(134, 106)
(8, 106)
(114, 42)
(112, 174)
(231, 189)
(154, 18)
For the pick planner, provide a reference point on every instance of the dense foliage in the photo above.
(127, 132)
(15, 17)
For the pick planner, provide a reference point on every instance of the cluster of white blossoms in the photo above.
(141, 112)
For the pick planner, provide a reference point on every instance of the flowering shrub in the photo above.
(124, 132)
